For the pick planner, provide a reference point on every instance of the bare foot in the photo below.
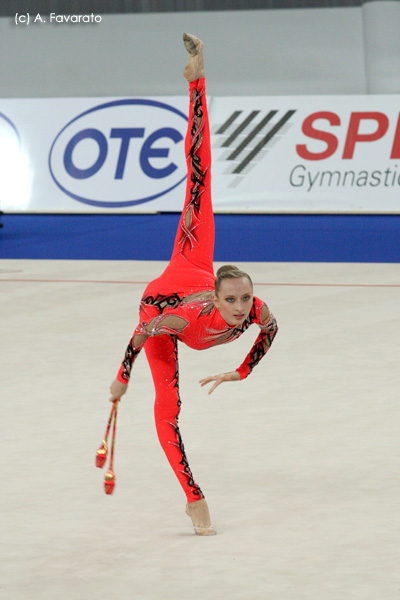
(195, 68)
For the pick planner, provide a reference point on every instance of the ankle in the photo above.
(200, 515)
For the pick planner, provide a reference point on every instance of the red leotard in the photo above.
(178, 305)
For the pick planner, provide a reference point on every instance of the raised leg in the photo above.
(194, 242)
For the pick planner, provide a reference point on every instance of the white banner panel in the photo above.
(319, 154)
(92, 154)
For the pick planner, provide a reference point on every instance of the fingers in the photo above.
(117, 389)
(114, 397)
(216, 378)
(216, 384)
(206, 380)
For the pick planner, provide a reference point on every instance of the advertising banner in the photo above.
(297, 154)
(92, 154)
(333, 154)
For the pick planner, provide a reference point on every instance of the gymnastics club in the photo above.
(101, 454)
(109, 479)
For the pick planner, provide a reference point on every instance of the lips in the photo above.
(239, 317)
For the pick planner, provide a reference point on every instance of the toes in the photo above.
(190, 43)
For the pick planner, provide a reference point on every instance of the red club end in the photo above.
(101, 455)
(109, 482)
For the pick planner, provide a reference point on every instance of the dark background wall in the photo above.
(8, 7)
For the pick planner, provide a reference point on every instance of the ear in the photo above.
(215, 300)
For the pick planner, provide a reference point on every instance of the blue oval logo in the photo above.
(130, 153)
(9, 125)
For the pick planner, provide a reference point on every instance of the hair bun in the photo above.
(229, 272)
(225, 268)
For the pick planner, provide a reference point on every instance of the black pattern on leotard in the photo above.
(196, 491)
(198, 173)
(130, 356)
(162, 301)
(263, 343)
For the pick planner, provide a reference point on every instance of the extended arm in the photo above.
(163, 324)
(269, 329)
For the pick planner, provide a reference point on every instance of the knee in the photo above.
(167, 408)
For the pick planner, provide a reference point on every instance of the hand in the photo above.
(232, 376)
(117, 389)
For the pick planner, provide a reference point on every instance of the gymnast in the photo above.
(188, 303)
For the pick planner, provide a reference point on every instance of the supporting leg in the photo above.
(162, 354)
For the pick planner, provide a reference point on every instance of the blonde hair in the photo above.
(229, 272)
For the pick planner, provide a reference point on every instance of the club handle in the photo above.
(113, 433)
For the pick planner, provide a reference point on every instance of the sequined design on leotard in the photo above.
(198, 324)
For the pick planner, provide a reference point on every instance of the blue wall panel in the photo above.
(287, 238)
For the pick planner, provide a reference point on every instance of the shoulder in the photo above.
(261, 312)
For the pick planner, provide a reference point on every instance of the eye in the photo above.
(230, 299)
(246, 298)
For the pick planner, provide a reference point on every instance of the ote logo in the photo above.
(120, 153)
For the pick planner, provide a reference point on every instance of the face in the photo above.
(234, 300)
